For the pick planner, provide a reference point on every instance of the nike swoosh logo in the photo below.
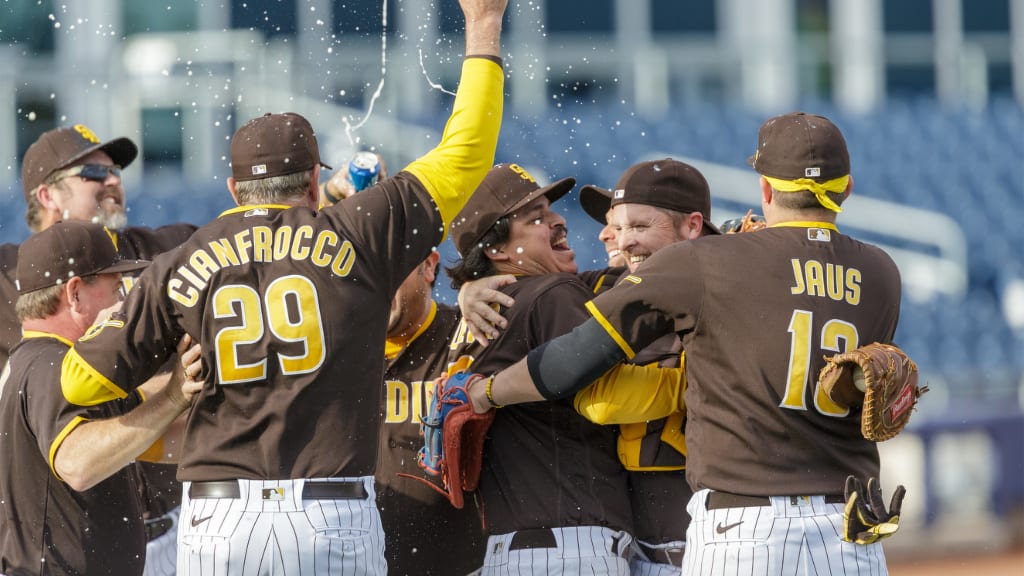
(720, 528)
(198, 521)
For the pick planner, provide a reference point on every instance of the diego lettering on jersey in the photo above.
(259, 244)
(407, 401)
(827, 280)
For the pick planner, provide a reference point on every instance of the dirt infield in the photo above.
(1005, 564)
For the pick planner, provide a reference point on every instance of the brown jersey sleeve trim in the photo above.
(491, 57)
(612, 332)
(55, 445)
(83, 385)
(452, 170)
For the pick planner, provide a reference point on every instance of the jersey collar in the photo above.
(394, 346)
(249, 207)
(39, 334)
(805, 224)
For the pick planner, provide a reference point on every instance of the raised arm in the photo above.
(451, 171)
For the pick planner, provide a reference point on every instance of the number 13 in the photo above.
(832, 332)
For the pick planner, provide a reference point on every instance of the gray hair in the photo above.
(273, 189)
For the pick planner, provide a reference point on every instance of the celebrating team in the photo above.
(292, 425)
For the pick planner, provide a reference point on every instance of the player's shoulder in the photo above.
(545, 284)
(145, 243)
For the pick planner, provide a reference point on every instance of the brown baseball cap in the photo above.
(595, 202)
(666, 183)
(62, 147)
(505, 189)
(800, 145)
(274, 145)
(66, 250)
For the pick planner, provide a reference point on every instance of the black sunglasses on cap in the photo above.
(94, 172)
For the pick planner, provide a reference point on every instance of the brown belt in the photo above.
(332, 490)
(158, 527)
(533, 538)
(718, 500)
(673, 556)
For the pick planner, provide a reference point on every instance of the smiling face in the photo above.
(79, 198)
(609, 237)
(538, 243)
(642, 230)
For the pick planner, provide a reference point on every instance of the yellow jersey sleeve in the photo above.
(83, 385)
(456, 166)
(630, 393)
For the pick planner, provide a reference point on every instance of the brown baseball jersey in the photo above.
(45, 526)
(419, 523)
(290, 306)
(544, 464)
(757, 312)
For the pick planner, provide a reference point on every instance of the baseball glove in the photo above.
(453, 438)
(879, 377)
(749, 223)
(865, 520)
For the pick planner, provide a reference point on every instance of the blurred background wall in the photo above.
(930, 95)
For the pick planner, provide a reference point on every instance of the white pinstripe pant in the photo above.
(286, 536)
(592, 550)
(795, 536)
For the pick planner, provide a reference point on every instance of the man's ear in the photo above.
(766, 191)
(231, 188)
(429, 266)
(47, 198)
(693, 226)
(71, 292)
(496, 253)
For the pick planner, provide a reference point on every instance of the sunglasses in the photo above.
(94, 172)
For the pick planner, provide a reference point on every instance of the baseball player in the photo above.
(68, 499)
(70, 174)
(654, 204)
(554, 494)
(419, 523)
(768, 452)
(290, 305)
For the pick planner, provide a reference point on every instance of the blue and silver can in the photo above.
(363, 170)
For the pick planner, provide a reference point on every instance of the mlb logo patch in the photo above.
(256, 212)
(619, 194)
(259, 169)
(819, 234)
(812, 172)
(273, 493)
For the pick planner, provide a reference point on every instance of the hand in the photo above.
(476, 300)
(339, 186)
(190, 366)
(865, 519)
(483, 26)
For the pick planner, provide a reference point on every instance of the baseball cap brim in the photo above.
(552, 191)
(124, 266)
(121, 150)
(596, 202)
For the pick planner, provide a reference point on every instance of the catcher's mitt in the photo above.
(881, 378)
(453, 438)
(749, 223)
(865, 520)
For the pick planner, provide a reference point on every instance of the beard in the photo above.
(112, 220)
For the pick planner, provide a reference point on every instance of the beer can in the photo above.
(363, 170)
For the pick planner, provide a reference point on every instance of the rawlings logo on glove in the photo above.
(882, 378)
(453, 438)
